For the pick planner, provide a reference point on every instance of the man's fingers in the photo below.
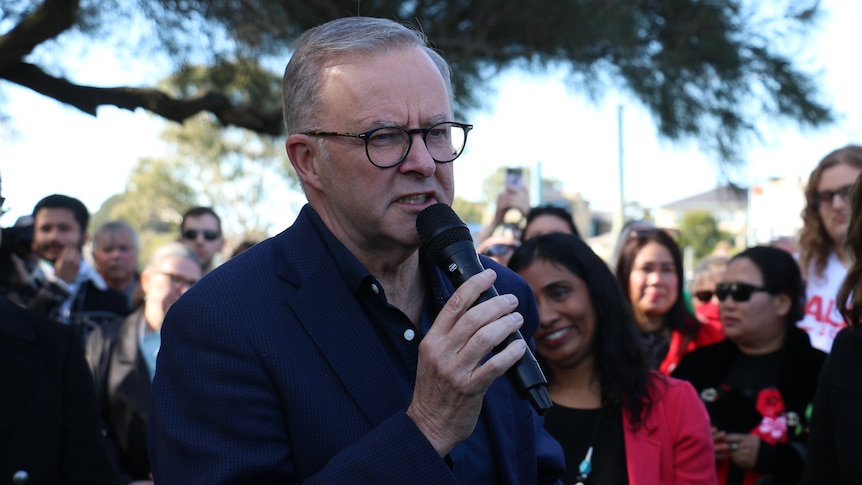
(463, 299)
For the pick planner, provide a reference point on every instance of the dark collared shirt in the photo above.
(472, 461)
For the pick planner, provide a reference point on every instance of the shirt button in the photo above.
(409, 334)
(375, 289)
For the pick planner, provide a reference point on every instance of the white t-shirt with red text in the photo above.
(822, 320)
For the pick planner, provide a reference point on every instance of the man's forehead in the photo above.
(381, 98)
(117, 238)
(54, 215)
(202, 220)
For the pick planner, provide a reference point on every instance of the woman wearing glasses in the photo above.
(758, 384)
(618, 422)
(649, 269)
(123, 358)
(823, 256)
(835, 451)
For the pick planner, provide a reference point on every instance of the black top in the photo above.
(768, 396)
(834, 448)
(578, 429)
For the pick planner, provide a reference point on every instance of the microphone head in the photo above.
(439, 226)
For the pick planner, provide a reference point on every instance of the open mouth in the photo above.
(413, 199)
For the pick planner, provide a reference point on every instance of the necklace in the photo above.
(586, 466)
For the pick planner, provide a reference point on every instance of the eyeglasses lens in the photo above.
(828, 196)
(387, 147)
(703, 296)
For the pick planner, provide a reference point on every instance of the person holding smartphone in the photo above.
(513, 197)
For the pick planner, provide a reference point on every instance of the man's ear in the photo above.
(304, 155)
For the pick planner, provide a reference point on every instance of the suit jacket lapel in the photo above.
(343, 332)
(130, 371)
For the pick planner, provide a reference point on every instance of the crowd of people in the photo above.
(337, 351)
(80, 337)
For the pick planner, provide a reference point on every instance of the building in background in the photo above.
(775, 211)
(728, 205)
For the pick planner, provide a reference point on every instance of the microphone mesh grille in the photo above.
(439, 226)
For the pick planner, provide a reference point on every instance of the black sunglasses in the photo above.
(704, 296)
(192, 234)
(738, 291)
(498, 249)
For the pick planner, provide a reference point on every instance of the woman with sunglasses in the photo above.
(706, 276)
(649, 269)
(835, 447)
(758, 384)
(618, 422)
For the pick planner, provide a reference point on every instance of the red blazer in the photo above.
(681, 345)
(674, 444)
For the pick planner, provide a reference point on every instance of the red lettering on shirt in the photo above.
(814, 307)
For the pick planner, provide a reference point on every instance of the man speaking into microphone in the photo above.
(331, 353)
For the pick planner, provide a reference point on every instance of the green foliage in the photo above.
(700, 231)
(235, 171)
(153, 201)
(469, 211)
(243, 81)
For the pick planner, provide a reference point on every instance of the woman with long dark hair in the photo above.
(618, 422)
(649, 270)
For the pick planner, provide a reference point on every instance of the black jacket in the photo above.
(835, 443)
(49, 424)
(799, 366)
(123, 386)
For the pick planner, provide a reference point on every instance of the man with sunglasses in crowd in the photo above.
(200, 231)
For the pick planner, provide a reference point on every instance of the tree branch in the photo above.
(48, 21)
(88, 99)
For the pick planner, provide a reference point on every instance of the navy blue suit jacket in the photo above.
(271, 372)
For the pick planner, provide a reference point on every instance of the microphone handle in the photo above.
(459, 262)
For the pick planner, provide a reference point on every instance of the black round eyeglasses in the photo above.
(388, 146)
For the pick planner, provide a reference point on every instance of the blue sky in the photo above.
(56, 149)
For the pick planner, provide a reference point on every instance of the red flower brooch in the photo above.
(773, 428)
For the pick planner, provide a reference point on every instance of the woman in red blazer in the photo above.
(618, 422)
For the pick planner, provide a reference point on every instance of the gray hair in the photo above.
(113, 227)
(343, 37)
(709, 268)
(171, 250)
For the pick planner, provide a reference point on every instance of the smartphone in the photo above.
(515, 177)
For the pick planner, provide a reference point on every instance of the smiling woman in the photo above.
(609, 408)
(649, 269)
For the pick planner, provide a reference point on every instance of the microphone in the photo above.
(447, 242)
